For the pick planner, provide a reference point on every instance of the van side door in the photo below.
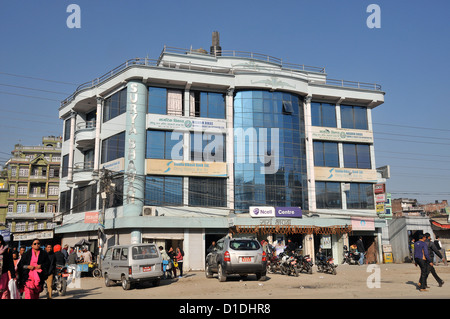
(115, 261)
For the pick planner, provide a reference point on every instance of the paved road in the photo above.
(351, 282)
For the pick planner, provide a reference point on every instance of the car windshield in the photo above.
(143, 252)
(244, 244)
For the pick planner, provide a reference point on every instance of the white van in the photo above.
(132, 263)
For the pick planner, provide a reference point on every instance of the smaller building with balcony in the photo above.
(29, 200)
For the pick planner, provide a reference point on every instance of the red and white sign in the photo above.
(380, 198)
(91, 218)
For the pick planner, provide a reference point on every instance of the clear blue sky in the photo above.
(408, 56)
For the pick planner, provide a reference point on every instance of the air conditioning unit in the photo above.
(149, 211)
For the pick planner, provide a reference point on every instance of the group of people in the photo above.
(172, 260)
(31, 268)
(424, 250)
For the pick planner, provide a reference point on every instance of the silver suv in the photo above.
(241, 256)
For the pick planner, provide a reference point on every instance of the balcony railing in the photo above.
(146, 62)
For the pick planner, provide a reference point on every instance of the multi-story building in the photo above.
(200, 145)
(32, 190)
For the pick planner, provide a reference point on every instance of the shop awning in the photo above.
(441, 223)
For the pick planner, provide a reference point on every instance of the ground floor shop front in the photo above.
(195, 234)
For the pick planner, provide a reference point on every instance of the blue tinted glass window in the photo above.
(323, 114)
(356, 155)
(360, 196)
(161, 146)
(354, 117)
(326, 154)
(163, 190)
(113, 147)
(157, 100)
(328, 195)
(115, 105)
(212, 105)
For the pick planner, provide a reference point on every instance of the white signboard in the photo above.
(342, 135)
(262, 211)
(168, 122)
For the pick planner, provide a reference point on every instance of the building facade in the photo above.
(31, 191)
(193, 146)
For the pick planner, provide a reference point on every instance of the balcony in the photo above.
(85, 135)
(82, 172)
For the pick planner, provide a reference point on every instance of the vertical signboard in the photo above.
(135, 152)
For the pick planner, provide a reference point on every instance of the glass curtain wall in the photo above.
(269, 150)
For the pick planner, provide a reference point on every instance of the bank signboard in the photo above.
(341, 135)
(186, 168)
(169, 122)
(345, 174)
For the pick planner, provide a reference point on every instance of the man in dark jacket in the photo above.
(361, 250)
(51, 270)
(422, 258)
(432, 249)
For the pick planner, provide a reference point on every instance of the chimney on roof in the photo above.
(215, 49)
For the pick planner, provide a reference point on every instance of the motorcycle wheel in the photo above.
(61, 286)
(283, 270)
(96, 273)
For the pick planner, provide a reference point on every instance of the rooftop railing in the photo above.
(146, 62)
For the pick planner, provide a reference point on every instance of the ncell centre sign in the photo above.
(267, 211)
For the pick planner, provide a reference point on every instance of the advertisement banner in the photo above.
(261, 211)
(288, 212)
(168, 122)
(186, 168)
(362, 223)
(91, 217)
(341, 135)
(345, 174)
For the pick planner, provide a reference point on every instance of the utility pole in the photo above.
(106, 186)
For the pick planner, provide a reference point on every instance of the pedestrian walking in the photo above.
(180, 255)
(33, 270)
(65, 252)
(166, 262)
(432, 249)
(422, 258)
(361, 250)
(6, 269)
(51, 270)
(441, 249)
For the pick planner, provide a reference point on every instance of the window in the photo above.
(354, 117)
(24, 172)
(326, 154)
(21, 208)
(67, 129)
(32, 208)
(164, 145)
(207, 192)
(64, 201)
(323, 114)
(116, 254)
(163, 190)
(115, 105)
(12, 189)
(165, 101)
(53, 172)
(207, 104)
(65, 166)
(51, 208)
(13, 172)
(113, 147)
(84, 198)
(124, 254)
(328, 195)
(22, 190)
(240, 244)
(208, 147)
(360, 196)
(10, 208)
(20, 227)
(356, 155)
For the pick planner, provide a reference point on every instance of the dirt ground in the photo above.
(389, 281)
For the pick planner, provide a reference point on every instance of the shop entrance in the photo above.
(370, 243)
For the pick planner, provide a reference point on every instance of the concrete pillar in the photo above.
(135, 139)
(98, 123)
(229, 141)
(73, 116)
(309, 155)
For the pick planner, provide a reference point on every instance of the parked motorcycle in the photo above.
(325, 264)
(350, 257)
(273, 262)
(288, 265)
(59, 281)
(304, 263)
